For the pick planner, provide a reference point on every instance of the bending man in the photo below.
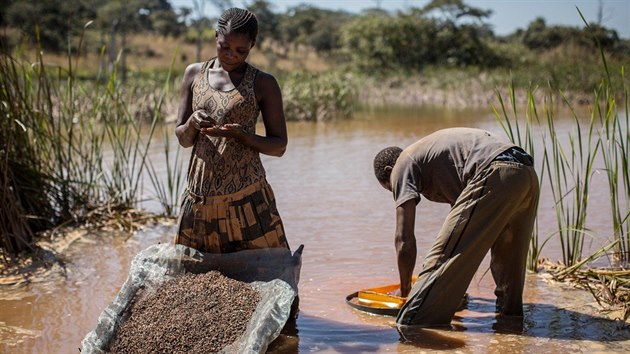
(493, 191)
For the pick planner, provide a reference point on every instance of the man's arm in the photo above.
(406, 244)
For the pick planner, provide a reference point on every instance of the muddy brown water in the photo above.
(331, 203)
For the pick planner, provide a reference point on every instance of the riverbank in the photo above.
(49, 251)
(460, 91)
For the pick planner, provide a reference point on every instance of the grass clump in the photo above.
(568, 164)
(69, 149)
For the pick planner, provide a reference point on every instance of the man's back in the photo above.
(440, 165)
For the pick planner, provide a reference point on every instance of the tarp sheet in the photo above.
(274, 272)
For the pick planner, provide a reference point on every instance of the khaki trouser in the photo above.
(495, 212)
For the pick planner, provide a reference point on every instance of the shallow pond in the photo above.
(331, 203)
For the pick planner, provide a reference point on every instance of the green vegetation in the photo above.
(568, 164)
(319, 97)
(52, 141)
(412, 41)
(105, 78)
(442, 34)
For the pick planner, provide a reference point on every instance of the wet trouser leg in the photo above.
(497, 204)
(509, 257)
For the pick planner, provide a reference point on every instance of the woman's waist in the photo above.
(220, 196)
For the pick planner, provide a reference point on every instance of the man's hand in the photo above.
(395, 293)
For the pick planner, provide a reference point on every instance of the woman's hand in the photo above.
(230, 130)
(201, 120)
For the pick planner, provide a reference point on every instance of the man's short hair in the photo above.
(386, 157)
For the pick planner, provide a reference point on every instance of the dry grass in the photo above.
(149, 53)
(609, 287)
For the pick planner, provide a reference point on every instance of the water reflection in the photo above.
(331, 203)
(544, 327)
(430, 338)
(317, 334)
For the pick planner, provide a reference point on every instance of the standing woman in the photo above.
(229, 206)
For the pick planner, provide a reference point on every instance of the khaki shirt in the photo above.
(440, 165)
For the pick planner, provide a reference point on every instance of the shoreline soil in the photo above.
(467, 93)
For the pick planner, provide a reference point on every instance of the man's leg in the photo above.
(509, 254)
(470, 229)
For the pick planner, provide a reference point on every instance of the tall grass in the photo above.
(569, 163)
(167, 188)
(615, 140)
(168, 192)
(122, 173)
(69, 148)
(570, 169)
(509, 120)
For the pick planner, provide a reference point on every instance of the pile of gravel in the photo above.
(192, 313)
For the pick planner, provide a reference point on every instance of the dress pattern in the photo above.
(228, 205)
(220, 165)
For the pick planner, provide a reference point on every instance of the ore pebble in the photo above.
(192, 313)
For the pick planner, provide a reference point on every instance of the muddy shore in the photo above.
(466, 93)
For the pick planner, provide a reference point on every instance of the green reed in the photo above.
(509, 120)
(167, 188)
(570, 169)
(123, 170)
(615, 139)
(18, 200)
(68, 147)
(568, 163)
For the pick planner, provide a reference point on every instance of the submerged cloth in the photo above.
(228, 205)
(494, 211)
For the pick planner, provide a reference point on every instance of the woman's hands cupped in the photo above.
(201, 120)
(230, 130)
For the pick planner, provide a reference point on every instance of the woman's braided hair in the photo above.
(238, 21)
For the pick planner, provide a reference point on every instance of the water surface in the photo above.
(332, 204)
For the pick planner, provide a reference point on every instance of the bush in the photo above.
(312, 97)
(409, 42)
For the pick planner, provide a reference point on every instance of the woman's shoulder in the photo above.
(194, 68)
(264, 80)
(191, 72)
